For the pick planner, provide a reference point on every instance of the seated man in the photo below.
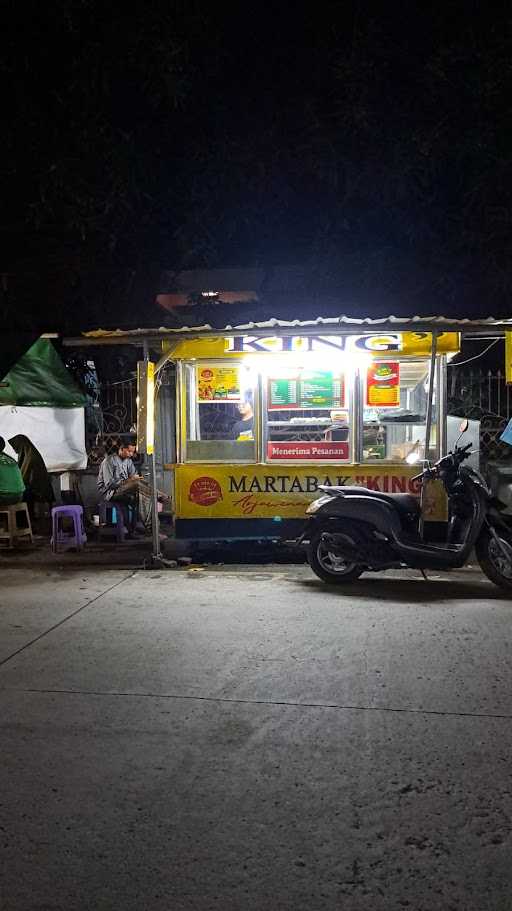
(118, 481)
(12, 487)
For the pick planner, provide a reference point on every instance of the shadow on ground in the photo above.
(410, 591)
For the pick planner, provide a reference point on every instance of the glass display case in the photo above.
(236, 413)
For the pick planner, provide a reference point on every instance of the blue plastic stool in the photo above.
(119, 517)
(74, 536)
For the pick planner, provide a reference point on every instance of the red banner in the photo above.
(308, 450)
(383, 385)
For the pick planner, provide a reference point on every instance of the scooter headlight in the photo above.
(317, 504)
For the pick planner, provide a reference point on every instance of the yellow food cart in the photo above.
(266, 417)
(266, 412)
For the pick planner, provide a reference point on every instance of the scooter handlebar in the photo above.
(461, 453)
(425, 474)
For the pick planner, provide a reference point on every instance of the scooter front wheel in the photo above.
(495, 558)
(331, 567)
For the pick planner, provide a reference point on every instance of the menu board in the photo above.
(283, 393)
(309, 389)
(383, 385)
(320, 389)
(217, 384)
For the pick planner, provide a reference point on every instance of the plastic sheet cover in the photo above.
(58, 433)
(39, 378)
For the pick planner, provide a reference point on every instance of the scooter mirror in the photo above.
(414, 455)
(463, 426)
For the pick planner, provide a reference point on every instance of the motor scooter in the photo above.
(352, 530)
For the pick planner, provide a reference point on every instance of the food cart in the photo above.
(266, 412)
(264, 419)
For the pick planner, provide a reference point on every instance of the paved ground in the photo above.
(248, 738)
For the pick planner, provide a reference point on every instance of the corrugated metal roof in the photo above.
(389, 323)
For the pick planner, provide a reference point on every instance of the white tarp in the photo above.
(58, 433)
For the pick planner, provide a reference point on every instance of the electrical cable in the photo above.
(476, 356)
(130, 379)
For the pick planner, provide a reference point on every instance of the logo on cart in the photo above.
(205, 491)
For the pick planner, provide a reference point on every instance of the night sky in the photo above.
(371, 146)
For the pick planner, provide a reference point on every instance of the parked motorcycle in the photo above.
(352, 529)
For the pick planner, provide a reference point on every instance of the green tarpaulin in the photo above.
(40, 379)
(14, 343)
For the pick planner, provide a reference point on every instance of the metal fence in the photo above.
(115, 414)
(118, 406)
(484, 395)
(479, 391)
(112, 413)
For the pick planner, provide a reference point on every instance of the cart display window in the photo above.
(220, 412)
(395, 409)
(307, 415)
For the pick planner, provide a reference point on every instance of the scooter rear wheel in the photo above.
(328, 566)
(493, 561)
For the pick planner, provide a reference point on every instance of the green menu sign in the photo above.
(310, 389)
(319, 389)
(283, 393)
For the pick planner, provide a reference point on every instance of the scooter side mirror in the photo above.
(413, 457)
(415, 454)
(463, 426)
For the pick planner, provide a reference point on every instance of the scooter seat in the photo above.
(405, 503)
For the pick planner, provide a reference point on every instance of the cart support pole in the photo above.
(431, 381)
(156, 557)
(155, 524)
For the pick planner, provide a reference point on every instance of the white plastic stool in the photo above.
(10, 530)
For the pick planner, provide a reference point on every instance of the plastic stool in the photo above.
(119, 515)
(62, 539)
(11, 531)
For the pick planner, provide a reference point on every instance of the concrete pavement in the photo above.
(246, 737)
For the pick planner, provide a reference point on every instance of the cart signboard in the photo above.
(217, 384)
(282, 490)
(308, 450)
(419, 344)
(383, 385)
(146, 407)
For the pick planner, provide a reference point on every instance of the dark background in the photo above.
(368, 143)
